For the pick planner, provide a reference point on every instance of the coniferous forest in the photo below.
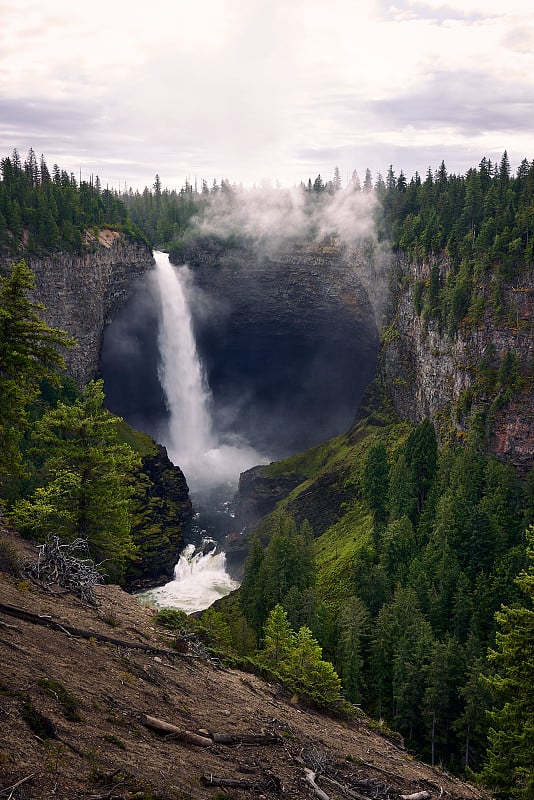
(411, 599)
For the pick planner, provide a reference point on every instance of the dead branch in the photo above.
(416, 796)
(11, 627)
(348, 792)
(12, 788)
(38, 619)
(231, 783)
(67, 564)
(181, 735)
(310, 779)
(268, 783)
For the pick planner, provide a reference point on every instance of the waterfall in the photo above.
(207, 458)
(200, 578)
(180, 372)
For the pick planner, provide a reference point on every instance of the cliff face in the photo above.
(82, 293)
(288, 336)
(456, 379)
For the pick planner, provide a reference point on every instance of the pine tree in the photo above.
(89, 481)
(29, 352)
(509, 770)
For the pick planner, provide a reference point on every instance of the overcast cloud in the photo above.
(251, 90)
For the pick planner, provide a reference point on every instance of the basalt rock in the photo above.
(258, 495)
(288, 336)
(452, 377)
(82, 293)
(164, 509)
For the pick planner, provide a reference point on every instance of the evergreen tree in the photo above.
(89, 487)
(509, 770)
(376, 481)
(278, 640)
(29, 352)
(353, 626)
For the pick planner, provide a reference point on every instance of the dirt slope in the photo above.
(92, 742)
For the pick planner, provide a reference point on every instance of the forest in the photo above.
(414, 602)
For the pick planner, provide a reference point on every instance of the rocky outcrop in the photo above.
(164, 510)
(81, 293)
(452, 378)
(258, 495)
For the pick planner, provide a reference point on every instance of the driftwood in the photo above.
(268, 783)
(60, 563)
(205, 739)
(70, 630)
(310, 779)
(177, 733)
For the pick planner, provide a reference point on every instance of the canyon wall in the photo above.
(288, 336)
(82, 293)
(456, 378)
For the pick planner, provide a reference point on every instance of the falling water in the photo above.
(200, 577)
(191, 441)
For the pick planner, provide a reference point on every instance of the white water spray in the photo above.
(191, 440)
(199, 580)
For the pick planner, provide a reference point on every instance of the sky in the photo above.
(259, 91)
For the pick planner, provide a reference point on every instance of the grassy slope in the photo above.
(335, 468)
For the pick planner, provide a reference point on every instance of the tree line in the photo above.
(481, 223)
(43, 210)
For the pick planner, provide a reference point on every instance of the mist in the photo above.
(285, 347)
(270, 218)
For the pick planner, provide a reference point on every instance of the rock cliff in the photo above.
(82, 293)
(458, 379)
(288, 336)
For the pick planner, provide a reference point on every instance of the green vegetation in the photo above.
(67, 701)
(87, 481)
(480, 223)
(403, 586)
(509, 770)
(43, 212)
(30, 351)
(68, 467)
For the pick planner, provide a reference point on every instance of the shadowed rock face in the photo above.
(288, 341)
(82, 293)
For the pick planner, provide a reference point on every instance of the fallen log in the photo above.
(37, 619)
(310, 779)
(416, 796)
(245, 738)
(182, 735)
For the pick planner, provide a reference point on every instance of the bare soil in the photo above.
(108, 751)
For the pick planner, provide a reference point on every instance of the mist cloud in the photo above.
(270, 216)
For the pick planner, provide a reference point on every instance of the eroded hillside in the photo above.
(73, 706)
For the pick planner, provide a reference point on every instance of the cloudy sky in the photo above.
(255, 90)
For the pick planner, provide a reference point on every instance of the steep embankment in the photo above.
(288, 336)
(81, 681)
(81, 293)
(475, 381)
